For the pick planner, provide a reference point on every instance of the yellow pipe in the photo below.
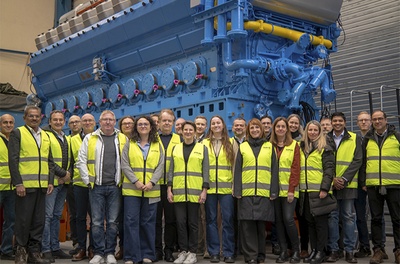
(294, 35)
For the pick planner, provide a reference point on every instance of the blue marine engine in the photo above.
(233, 58)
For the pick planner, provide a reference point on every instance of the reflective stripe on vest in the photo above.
(56, 152)
(5, 177)
(143, 170)
(76, 142)
(187, 181)
(33, 161)
(175, 140)
(220, 171)
(311, 173)
(285, 165)
(256, 172)
(383, 164)
(344, 157)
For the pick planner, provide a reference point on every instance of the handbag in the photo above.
(320, 206)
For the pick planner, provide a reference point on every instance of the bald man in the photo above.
(7, 196)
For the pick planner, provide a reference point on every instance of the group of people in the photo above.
(215, 193)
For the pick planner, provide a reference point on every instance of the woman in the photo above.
(317, 172)
(188, 181)
(221, 156)
(126, 127)
(142, 164)
(296, 131)
(288, 161)
(255, 185)
(295, 127)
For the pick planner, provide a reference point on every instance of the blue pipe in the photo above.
(237, 29)
(208, 25)
(297, 91)
(221, 31)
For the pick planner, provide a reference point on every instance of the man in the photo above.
(7, 196)
(348, 162)
(360, 204)
(55, 201)
(239, 129)
(32, 173)
(168, 140)
(81, 192)
(326, 124)
(201, 126)
(178, 126)
(380, 177)
(75, 125)
(99, 163)
(266, 121)
(156, 118)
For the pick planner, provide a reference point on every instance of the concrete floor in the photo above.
(269, 259)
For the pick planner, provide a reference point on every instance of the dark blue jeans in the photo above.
(139, 229)
(360, 205)
(105, 204)
(228, 231)
(285, 224)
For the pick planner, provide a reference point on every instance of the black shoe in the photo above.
(318, 258)
(9, 256)
(276, 249)
(283, 257)
(48, 256)
(214, 258)
(20, 255)
(59, 254)
(310, 257)
(350, 257)
(295, 258)
(159, 256)
(169, 257)
(333, 256)
(36, 258)
(363, 252)
(229, 260)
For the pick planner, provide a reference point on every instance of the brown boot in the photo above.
(397, 256)
(20, 255)
(377, 257)
(120, 254)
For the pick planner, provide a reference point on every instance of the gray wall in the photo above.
(368, 58)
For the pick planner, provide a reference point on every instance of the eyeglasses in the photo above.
(33, 116)
(377, 119)
(143, 124)
(128, 124)
(87, 121)
(363, 120)
(75, 122)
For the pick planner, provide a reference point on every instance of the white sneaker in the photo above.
(111, 259)
(147, 260)
(97, 259)
(181, 257)
(129, 262)
(190, 259)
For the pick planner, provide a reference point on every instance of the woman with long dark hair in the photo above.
(288, 161)
(142, 164)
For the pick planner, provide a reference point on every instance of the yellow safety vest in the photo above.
(56, 151)
(76, 142)
(256, 171)
(383, 164)
(5, 176)
(311, 174)
(143, 170)
(285, 165)
(92, 154)
(344, 157)
(33, 161)
(175, 140)
(220, 171)
(187, 181)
